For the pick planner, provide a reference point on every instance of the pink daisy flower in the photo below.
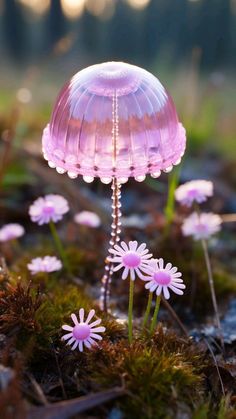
(48, 208)
(44, 264)
(162, 278)
(83, 333)
(11, 232)
(194, 191)
(87, 218)
(201, 226)
(133, 258)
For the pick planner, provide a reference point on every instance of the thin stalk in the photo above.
(59, 246)
(130, 310)
(114, 239)
(169, 210)
(147, 312)
(155, 314)
(212, 287)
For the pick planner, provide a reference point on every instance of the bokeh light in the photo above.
(37, 6)
(73, 8)
(138, 4)
(101, 8)
(24, 95)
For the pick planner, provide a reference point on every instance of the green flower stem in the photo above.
(130, 310)
(155, 314)
(59, 246)
(147, 312)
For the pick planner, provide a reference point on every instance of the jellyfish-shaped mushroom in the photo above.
(113, 121)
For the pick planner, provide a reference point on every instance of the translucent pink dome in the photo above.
(113, 119)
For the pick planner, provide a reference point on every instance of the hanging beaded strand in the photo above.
(116, 211)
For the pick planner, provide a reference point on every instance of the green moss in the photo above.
(224, 410)
(57, 308)
(158, 374)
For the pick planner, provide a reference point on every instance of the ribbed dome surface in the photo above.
(113, 119)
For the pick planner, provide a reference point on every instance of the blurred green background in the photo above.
(189, 44)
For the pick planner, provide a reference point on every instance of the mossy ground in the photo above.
(164, 376)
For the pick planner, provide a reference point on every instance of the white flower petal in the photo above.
(66, 327)
(92, 341)
(116, 259)
(114, 252)
(176, 290)
(87, 344)
(141, 248)
(177, 285)
(161, 263)
(132, 274)
(176, 280)
(74, 318)
(119, 249)
(146, 257)
(90, 316)
(116, 268)
(153, 287)
(139, 273)
(81, 346)
(144, 252)
(67, 336)
(124, 246)
(98, 329)
(148, 285)
(133, 245)
(95, 323)
(166, 292)
(125, 273)
(75, 345)
(177, 275)
(96, 336)
(159, 290)
(71, 341)
(81, 315)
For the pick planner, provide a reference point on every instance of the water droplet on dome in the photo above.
(177, 162)
(122, 179)
(140, 178)
(156, 174)
(106, 180)
(168, 169)
(88, 179)
(60, 170)
(51, 164)
(72, 175)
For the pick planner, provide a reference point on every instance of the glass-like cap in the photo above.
(113, 119)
